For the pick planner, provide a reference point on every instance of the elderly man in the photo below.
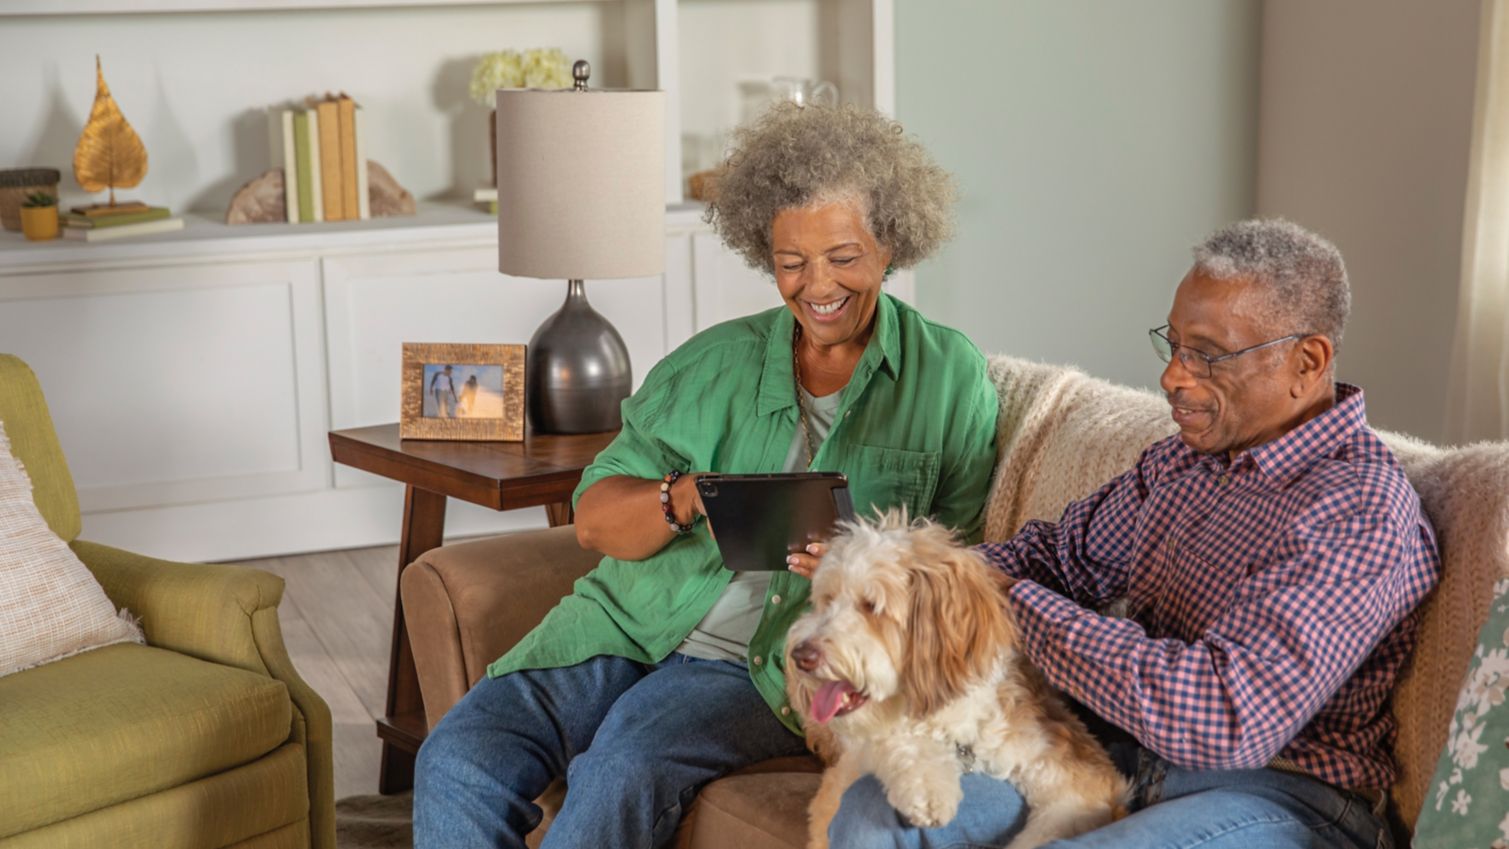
(1272, 556)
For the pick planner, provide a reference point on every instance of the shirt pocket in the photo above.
(884, 478)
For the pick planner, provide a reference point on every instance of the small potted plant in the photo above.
(39, 216)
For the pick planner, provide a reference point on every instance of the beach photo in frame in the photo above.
(462, 391)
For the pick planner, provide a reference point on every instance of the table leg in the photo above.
(559, 513)
(403, 728)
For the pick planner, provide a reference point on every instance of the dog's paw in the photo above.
(928, 805)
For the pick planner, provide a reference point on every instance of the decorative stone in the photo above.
(259, 201)
(386, 197)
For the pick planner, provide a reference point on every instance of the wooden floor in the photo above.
(337, 617)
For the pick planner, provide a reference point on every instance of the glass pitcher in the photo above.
(802, 91)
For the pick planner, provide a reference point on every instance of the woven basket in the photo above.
(16, 184)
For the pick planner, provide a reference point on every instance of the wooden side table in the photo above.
(541, 470)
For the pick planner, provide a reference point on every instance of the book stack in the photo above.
(123, 220)
(319, 146)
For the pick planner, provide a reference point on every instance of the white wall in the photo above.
(1094, 143)
(193, 85)
(1366, 119)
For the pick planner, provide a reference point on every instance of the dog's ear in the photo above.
(958, 627)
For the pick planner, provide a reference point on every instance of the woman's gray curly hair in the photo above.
(793, 156)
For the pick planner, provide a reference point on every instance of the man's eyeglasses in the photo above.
(1199, 363)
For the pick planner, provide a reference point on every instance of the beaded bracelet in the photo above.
(665, 504)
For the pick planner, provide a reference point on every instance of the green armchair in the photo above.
(204, 737)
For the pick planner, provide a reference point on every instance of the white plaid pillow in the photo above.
(50, 604)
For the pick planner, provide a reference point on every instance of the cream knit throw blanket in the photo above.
(1062, 434)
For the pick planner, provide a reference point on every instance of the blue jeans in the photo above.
(635, 743)
(1172, 808)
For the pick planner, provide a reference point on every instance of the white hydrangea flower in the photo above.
(504, 69)
(1460, 804)
(539, 67)
(546, 67)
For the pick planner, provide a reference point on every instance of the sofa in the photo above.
(204, 737)
(1061, 435)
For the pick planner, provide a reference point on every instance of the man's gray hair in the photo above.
(1303, 274)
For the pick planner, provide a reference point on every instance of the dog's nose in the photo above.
(806, 656)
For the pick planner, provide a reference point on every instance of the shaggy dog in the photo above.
(907, 667)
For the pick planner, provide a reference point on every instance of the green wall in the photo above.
(1094, 142)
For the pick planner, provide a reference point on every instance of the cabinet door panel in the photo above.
(177, 384)
(726, 288)
(376, 303)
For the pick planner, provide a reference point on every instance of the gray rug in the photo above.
(375, 822)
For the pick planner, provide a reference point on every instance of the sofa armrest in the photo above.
(468, 603)
(226, 615)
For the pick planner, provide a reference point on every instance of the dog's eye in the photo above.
(868, 606)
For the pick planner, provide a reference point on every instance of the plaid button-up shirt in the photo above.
(1272, 599)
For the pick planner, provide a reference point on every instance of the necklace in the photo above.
(801, 408)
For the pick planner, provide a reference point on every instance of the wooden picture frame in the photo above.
(462, 391)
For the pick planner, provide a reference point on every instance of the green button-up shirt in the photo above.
(915, 428)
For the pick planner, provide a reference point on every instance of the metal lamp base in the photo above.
(577, 371)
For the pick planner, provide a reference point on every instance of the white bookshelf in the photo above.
(205, 236)
(191, 75)
(193, 375)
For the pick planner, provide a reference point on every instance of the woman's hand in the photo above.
(805, 562)
(684, 492)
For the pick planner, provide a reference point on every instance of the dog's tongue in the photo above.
(828, 699)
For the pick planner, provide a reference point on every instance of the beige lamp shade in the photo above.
(581, 183)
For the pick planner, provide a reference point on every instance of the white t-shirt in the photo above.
(724, 633)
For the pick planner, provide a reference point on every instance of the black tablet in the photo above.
(759, 519)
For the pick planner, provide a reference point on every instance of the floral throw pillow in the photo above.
(1469, 804)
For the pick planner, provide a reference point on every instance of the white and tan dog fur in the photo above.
(907, 661)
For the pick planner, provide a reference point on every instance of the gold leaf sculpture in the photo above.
(110, 153)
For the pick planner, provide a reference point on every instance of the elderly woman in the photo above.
(662, 671)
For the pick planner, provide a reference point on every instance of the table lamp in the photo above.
(580, 196)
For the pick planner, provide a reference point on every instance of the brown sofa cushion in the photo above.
(762, 807)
